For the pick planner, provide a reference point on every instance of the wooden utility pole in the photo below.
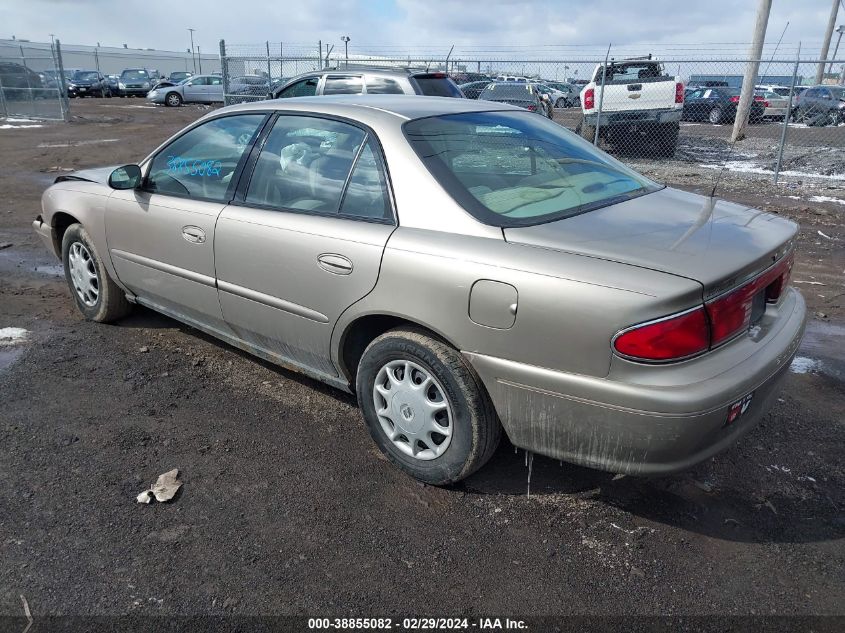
(828, 33)
(751, 70)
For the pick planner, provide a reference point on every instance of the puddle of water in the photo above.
(822, 350)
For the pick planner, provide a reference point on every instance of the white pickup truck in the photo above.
(639, 102)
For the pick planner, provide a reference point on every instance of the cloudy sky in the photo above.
(422, 25)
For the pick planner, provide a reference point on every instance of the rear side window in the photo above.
(202, 162)
(304, 164)
(383, 86)
(436, 85)
(304, 88)
(366, 195)
(343, 86)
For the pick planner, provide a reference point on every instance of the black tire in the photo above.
(561, 102)
(173, 99)
(667, 140)
(476, 429)
(111, 303)
(715, 115)
(587, 132)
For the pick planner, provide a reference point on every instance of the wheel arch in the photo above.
(363, 329)
(60, 222)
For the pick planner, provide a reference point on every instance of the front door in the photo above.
(161, 236)
(305, 241)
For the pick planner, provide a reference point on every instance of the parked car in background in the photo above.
(472, 89)
(408, 81)
(821, 105)
(88, 83)
(196, 89)
(249, 88)
(20, 83)
(113, 81)
(776, 105)
(134, 82)
(640, 102)
(173, 79)
(695, 85)
(507, 277)
(718, 105)
(554, 95)
(518, 93)
(469, 77)
(515, 78)
(778, 89)
(570, 97)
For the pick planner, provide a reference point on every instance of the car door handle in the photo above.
(193, 234)
(336, 264)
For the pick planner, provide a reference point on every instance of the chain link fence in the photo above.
(656, 114)
(32, 82)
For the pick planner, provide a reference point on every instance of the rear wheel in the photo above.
(587, 132)
(667, 140)
(97, 296)
(173, 99)
(715, 116)
(425, 407)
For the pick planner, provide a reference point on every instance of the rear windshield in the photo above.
(632, 73)
(437, 86)
(511, 91)
(518, 169)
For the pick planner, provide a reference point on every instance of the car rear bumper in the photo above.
(47, 234)
(635, 117)
(656, 424)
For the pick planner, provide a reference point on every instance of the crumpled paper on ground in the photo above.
(164, 489)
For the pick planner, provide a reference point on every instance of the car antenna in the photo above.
(724, 167)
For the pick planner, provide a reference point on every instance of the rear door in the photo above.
(214, 90)
(304, 238)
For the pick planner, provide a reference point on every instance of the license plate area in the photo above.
(738, 409)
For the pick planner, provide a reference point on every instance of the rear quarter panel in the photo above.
(569, 306)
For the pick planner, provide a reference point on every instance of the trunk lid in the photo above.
(717, 243)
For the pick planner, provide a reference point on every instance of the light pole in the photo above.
(193, 59)
(840, 29)
(345, 39)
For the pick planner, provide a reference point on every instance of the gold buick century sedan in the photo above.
(465, 267)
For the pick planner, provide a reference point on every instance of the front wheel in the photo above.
(96, 294)
(173, 99)
(425, 407)
(560, 103)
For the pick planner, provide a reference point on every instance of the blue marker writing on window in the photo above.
(182, 166)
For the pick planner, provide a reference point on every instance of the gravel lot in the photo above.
(287, 506)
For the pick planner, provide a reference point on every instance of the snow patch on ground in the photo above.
(78, 143)
(6, 126)
(12, 335)
(804, 365)
(740, 166)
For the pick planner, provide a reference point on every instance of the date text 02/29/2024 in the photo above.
(417, 624)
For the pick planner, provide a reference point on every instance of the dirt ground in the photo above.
(287, 506)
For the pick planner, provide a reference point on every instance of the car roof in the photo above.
(389, 106)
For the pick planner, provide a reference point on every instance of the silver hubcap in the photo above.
(173, 99)
(83, 274)
(412, 410)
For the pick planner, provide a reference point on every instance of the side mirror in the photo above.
(126, 177)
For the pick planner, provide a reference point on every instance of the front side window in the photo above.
(343, 86)
(202, 162)
(303, 88)
(199, 81)
(304, 164)
(518, 169)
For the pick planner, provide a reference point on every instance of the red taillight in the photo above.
(679, 92)
(668, 339)
(731, 313)
(734, 99)
(704, 328)
(589, 99)
(765, 104)
(758, 98)
(531, 107)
